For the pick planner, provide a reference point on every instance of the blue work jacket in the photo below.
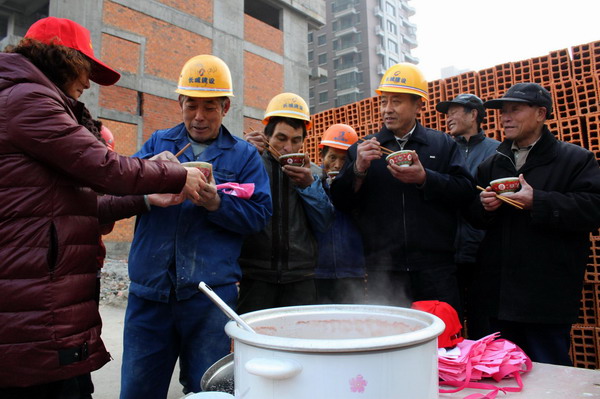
(179, 246)
(341, 253)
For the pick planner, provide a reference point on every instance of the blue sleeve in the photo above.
(246, 216)
(317, 205)
(148, 149)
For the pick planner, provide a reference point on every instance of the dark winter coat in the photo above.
(533, 261)
(405, 227)
(51, 169)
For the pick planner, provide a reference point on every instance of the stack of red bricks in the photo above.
(573, 79)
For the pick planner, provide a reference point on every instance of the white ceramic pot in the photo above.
(336, 351)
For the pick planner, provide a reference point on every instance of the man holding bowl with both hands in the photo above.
(279, 262)
(407, 214)
(176, 247)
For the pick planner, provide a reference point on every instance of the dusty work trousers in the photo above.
(157, 333)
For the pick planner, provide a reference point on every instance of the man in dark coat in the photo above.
(533, 260)
(407, 215)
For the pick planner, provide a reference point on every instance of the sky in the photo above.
(478, 34)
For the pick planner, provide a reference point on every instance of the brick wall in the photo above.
(263, 35)
(202, 9)
(167, 47)
(251, 124)
(159, 113)
(263, 80)
(119, 99)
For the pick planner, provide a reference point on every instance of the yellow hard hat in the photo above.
(339, 136)
(205, 76)
(403, 78)
(288, 105)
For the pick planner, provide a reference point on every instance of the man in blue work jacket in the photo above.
(176, 247)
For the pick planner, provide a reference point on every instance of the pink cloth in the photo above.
(487, 357)
(244, 190)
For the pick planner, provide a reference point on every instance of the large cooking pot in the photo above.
(336, 351)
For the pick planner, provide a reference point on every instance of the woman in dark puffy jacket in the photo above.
(52, 168)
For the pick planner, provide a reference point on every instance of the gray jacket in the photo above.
(475, 151)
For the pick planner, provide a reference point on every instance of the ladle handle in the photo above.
(224, 307)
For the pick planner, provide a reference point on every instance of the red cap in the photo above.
(451, 335)
(52, 30)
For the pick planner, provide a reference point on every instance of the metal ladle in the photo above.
(224, 307)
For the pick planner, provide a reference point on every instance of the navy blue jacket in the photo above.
(341, 253)
(405, 227)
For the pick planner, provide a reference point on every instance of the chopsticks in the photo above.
(270, 148)
(383, 149)
(508, 200)
(182, 150)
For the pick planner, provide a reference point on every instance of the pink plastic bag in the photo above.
(487, 357)
(244, 190)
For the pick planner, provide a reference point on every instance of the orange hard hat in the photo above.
(339, 136)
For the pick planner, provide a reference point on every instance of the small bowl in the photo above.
(205, 168)
(332, 174)
(505, 185)
(295, 159)
(402, 158)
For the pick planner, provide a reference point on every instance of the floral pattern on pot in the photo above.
(358, 384)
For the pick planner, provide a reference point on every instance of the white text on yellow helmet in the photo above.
(288, 105)
(205, 76)
(404, 78)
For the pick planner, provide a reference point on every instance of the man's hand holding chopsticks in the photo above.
(257, 139)
(489, 200)
(366, 152)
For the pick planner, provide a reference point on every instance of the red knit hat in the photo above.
(52, 30)
(451, 335)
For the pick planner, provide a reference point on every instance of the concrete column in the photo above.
(228, 44)
(295, 47)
